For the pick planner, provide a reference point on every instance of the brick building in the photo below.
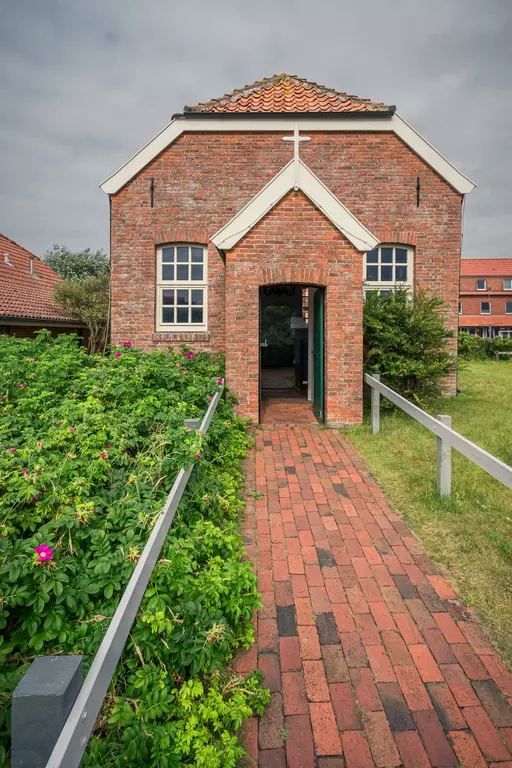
(253, 224)
(485, 301)
(26, 294)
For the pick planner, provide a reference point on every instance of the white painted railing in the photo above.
(71, 735)
(447, 438)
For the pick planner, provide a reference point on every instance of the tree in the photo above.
(77, 265)
(87, 300)
(406, 341)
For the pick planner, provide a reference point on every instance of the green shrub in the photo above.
(90, 448)
(478, 348)
(405, 340)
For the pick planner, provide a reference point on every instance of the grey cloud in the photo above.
(83, 85)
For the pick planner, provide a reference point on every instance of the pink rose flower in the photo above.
(127, 344)
(104, 455)
(12, 450)
(44, 553)
(220, 381)
(25, 471)
(71, 430)
(190, 356)
(198, 456)
(22, 385)
(118, 354)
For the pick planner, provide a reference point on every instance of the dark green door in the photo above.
(318, 354)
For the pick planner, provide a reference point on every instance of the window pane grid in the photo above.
(388, 264)
(182, 286)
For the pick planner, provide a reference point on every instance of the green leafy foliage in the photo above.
(405, 340)
(77, 265)
(477, 348)
(87, 300)
(90, 448)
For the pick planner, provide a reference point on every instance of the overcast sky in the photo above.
(85, 83)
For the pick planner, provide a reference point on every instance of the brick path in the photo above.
(370, 657)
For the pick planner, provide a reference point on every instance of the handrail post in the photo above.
(375, 405)
(192, 424)
(41, 704)
(444, 461)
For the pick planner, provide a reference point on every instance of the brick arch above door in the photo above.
(297, 275)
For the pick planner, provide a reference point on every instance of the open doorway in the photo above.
(291, 353)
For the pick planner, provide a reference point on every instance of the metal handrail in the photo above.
(75, 734)
(486, 461)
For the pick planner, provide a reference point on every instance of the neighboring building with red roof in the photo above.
(26, 294)
(485, 300)
(280, 204)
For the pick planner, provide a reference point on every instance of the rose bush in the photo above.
(90, 448)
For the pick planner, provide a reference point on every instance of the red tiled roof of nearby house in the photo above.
(483, 321)
(287, 93)
(22, 294)
(485, 267)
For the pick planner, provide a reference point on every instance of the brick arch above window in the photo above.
(297, 275)
(185, 236)
(397, 236)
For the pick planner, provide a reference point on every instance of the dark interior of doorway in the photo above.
(284, 342)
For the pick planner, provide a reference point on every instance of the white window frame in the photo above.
(176, 285)
(481, 281)
(481, 308)
(460, 308)
(384, 285)
(509, 287)
(505, 333)
(508, 312)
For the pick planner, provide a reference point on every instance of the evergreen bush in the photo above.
(406, 341)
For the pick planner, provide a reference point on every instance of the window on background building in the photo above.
(505, 333)
(508, 307)
(485, 308)
(507, 285)
(481, 285)
(460, 307)
(387, 267)
(181, 288)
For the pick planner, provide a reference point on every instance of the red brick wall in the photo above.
(471, 304)
(295, 243)
(496, 283)
(203, 179)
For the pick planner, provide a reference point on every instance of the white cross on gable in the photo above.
(296, 143)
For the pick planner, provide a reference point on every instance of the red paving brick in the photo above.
(374, 622)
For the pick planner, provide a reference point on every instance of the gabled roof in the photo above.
(287, 179)
(268, 106)
(287, 93)
(23, 295)
(486, 267)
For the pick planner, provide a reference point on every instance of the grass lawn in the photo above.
(470, 535)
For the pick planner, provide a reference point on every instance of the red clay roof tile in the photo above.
(483, 321)
(486, 267)
(21, 294)
(287, 93)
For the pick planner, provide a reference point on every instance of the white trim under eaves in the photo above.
(360, 237)
(307, 124)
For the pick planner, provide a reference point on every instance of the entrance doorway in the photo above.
(291, 353)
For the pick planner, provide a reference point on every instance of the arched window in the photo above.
(182, 284)
(388, 266)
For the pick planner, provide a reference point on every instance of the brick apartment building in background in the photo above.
(485, 300)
